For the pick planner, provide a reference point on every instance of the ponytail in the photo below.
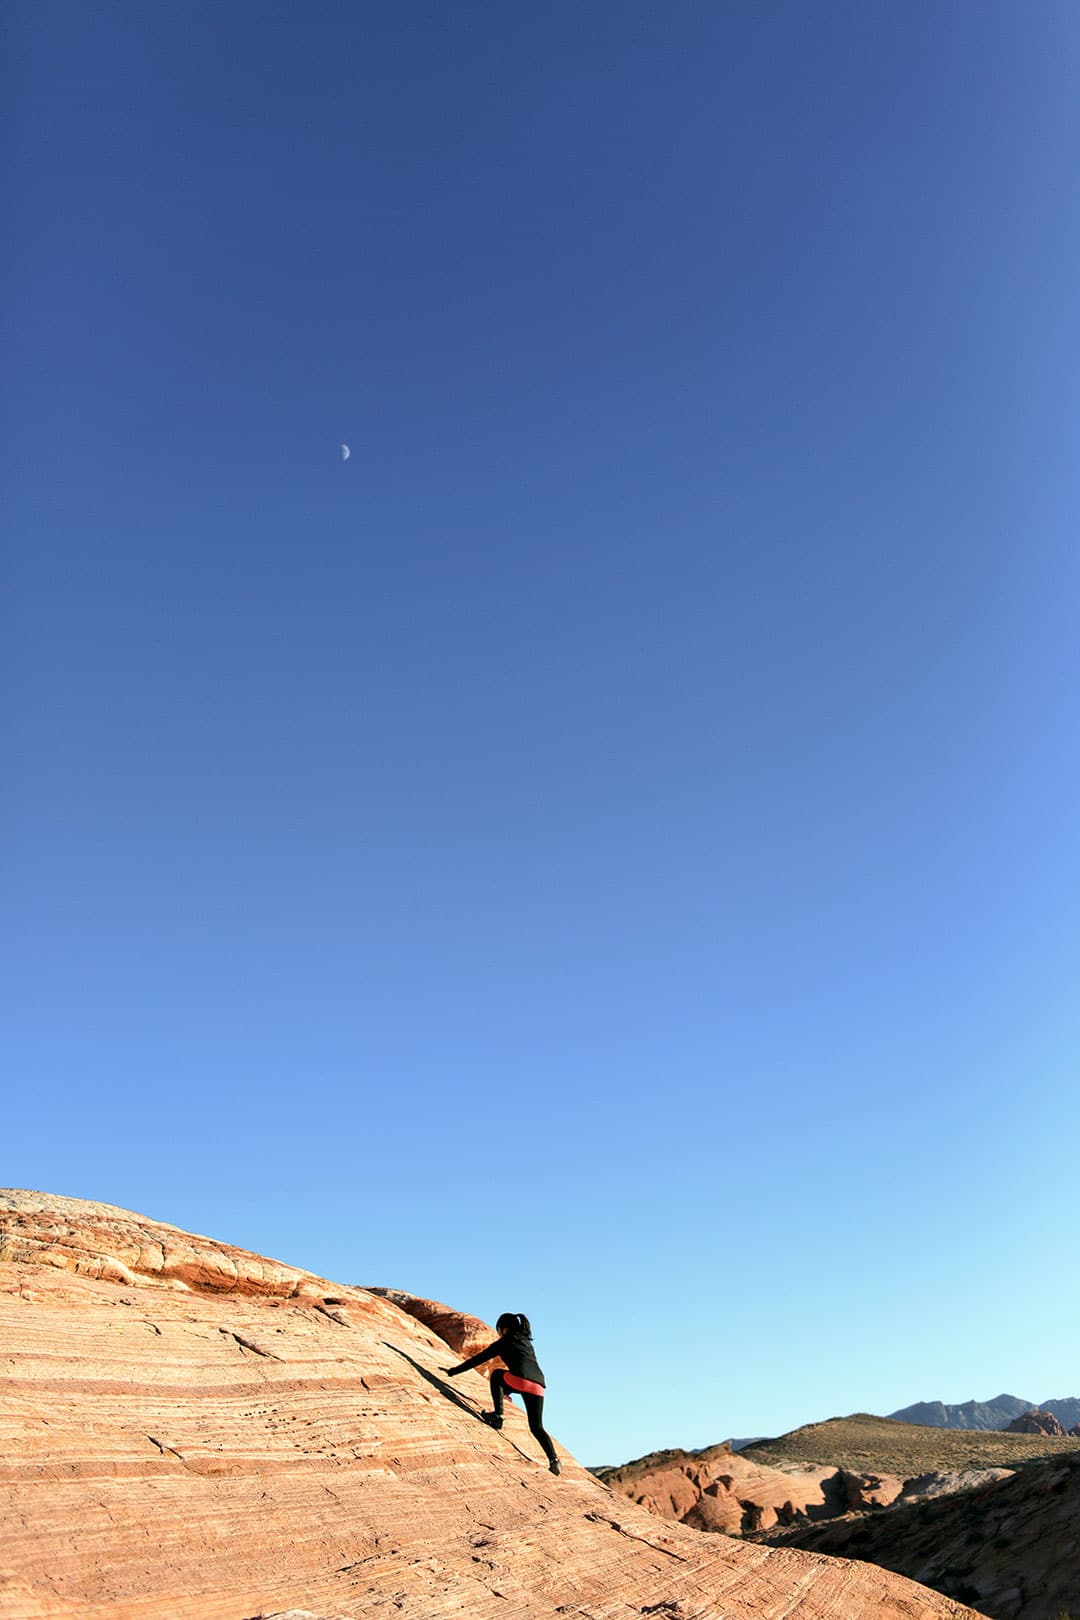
(514, 1322)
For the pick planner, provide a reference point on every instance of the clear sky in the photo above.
(610, 848)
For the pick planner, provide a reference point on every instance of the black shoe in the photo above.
(492, 1419)
(555, 1465)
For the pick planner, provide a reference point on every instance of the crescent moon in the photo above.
(345, 452)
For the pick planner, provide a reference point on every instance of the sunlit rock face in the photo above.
(719, 1489)
(464, 1334)
(192, 1432)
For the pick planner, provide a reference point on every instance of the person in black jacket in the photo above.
(521, 1375)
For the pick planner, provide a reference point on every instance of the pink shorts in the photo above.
(524, 1386)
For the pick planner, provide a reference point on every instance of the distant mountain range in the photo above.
(994, 1414)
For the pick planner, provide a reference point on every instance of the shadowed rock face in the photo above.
(1009, 1546)
(192, 1432)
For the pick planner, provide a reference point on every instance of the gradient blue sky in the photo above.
(612, 848)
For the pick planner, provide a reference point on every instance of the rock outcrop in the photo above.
(863, 1491)
(719, 1489)
(464, 1334)
(194, 1432)
(1036, 1422)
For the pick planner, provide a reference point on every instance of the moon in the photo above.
(345, 452)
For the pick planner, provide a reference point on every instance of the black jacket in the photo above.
(516, 1349)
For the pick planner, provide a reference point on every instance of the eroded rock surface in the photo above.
(727, 1491)
(719, 1489)
(464, 1334)
(194, 1432)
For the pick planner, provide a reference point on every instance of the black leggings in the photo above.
(534, 1411)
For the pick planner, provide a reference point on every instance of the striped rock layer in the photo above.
(192, 1432)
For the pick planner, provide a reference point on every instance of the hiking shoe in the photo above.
(555, 1465)
(492, 1419)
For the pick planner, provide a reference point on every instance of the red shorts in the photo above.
(524, 1386)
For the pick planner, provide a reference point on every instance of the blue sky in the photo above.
(610, 848)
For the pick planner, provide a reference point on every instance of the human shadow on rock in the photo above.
(444, 1389)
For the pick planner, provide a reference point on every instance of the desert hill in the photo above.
(191, 1431)
(862, 1443)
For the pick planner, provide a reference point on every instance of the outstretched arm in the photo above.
(481, 1356)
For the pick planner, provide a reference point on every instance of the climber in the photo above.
(522, 1376)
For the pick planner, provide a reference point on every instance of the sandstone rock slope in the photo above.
(192, 1432)
(464, 1334)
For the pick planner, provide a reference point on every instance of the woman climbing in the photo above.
(522, 1376)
